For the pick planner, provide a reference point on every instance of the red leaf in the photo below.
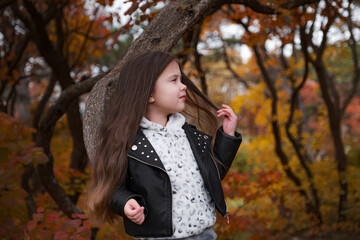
(60, 235)
(31, 224)
(71, 224)
(80, 216)
(40, 210)
(51, 218)
(82, 229)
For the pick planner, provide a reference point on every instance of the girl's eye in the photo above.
(174, 80)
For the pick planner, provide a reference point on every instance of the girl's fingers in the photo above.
(225, 112)
(139, 212)
(230, 121)
(139, 217)
(222, 114)
(132, 203)
(134, 211)
(225, 106)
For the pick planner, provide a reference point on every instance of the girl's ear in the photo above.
(151, 100)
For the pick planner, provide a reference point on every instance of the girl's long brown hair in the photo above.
(123, 116)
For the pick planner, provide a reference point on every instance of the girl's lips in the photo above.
(183, 97)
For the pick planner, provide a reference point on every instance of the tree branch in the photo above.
(86, 38)
(21, 46)
(194, 42)
(334, 118)
(355, 57)
(25, 177)
(41, 106)
(297, 3)
(228, 66)
(39, 35)
(256, 6)
(299, 148)
(276, 131)
(323, 43)
(45, 132)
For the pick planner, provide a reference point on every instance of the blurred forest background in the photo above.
(290, 70)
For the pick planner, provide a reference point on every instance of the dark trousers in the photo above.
(207, 234)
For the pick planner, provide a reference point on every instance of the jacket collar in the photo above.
(143, 151)
(199, 143)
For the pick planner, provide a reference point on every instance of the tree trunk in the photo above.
(334, 116)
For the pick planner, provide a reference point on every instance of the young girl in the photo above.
(160, 173)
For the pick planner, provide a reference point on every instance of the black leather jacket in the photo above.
(148, 182)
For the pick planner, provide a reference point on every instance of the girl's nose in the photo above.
(183, 86)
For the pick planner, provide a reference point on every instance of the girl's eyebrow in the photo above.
(175, 75)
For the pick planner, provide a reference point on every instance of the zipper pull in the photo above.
(227, 217)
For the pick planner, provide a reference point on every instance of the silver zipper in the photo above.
(227, 212)
(161, 170)
(149, 164)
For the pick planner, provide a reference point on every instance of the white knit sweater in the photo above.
(192, 208)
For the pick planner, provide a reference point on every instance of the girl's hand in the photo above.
(230, 120)
(134, 211)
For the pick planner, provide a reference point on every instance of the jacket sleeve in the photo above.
(225, 149)
(120, 197)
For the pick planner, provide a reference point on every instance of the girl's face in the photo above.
(169, 94)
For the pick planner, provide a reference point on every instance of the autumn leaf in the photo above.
(31, 224)
(51, 218)
(71, 224)
(58, 235)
